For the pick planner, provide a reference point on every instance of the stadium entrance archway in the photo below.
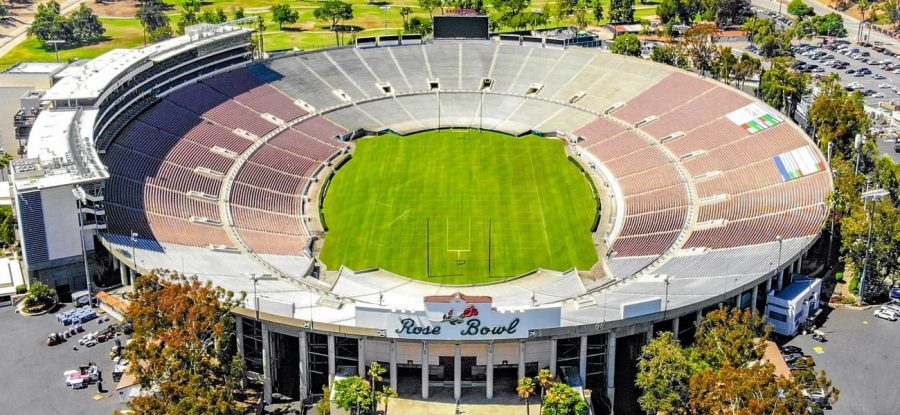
(286, 367)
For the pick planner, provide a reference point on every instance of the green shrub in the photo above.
(323, 407)
(839, 277)
(21, 289)
(854, 285)
(41, 294)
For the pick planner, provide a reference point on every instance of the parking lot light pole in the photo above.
(80, 197)
(869, 196)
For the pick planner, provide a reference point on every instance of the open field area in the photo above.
(369, 19)
(438, 205)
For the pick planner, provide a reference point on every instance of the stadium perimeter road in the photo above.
(33, 382)
(861, 360)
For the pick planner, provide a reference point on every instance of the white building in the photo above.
(788, 309)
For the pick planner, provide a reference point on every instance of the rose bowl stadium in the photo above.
(465, 212)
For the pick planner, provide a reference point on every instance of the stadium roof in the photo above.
(89, 81)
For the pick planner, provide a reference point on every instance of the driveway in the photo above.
(33, 372)
(860, 358)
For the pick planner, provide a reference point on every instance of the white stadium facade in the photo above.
(192, 156)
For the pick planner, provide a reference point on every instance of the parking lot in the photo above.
(860, 360)
(34, 371)
(867, 69)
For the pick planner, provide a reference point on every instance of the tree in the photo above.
(730, 337)
(545, 379)
(404, 14)
(334, 11)
(561, 399)
(283, 13)
(724, 65)
(838, 116)
(420, 25)
(376, 376)
(664, 375)
(670, 54)
(86, 26)
(831, 24)
(669, 11)
(49, 24)
(150, 15)
(747, 68)
(723, 373)
(772, 40)
(385, 395)
(621, 11)
(509, 8)
(7, 227)
(597, 10)
(237, 13)
(40, 295)
(353, 394)
(190, 11)
(892, 10)
(627, 44)
(782, 87)
(525, 389)
(429, 6)
(800, 9)
(701, 45)
(184, 346)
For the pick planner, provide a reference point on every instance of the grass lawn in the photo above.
(453, 196)
(307, 33)
(120, 33)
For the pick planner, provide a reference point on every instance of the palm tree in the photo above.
(525, 389)
(545, 379)
(375, 376)
(386, 394)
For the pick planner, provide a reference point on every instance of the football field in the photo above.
(459, 207)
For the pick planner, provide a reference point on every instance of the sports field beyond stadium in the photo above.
(459, 207)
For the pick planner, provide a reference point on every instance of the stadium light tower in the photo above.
(80, 198)
(869, 196)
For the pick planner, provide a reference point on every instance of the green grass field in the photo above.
(453, 196)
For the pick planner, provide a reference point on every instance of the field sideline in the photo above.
(437, 205)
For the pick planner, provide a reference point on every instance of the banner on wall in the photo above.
(458, 317)
(754, 118)
(798, 163)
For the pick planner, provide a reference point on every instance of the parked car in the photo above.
(792, 357)
(819, 338)
(892, 305)
(886, 314)
(801, 363)
(791, 349)
(895, 292)
(878, 76)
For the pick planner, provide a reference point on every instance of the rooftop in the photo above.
(59, 151)
(796, 288)
(36, 68)
(89, 81)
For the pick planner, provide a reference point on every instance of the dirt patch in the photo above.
(124, 8)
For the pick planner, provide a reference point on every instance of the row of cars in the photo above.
(889, 311)
(802, 369)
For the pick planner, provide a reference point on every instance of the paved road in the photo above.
(33, 383)
(887, 147)
(861, 360)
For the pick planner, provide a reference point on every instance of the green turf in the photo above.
(451, 195)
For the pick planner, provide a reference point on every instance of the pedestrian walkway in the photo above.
(476, 404)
